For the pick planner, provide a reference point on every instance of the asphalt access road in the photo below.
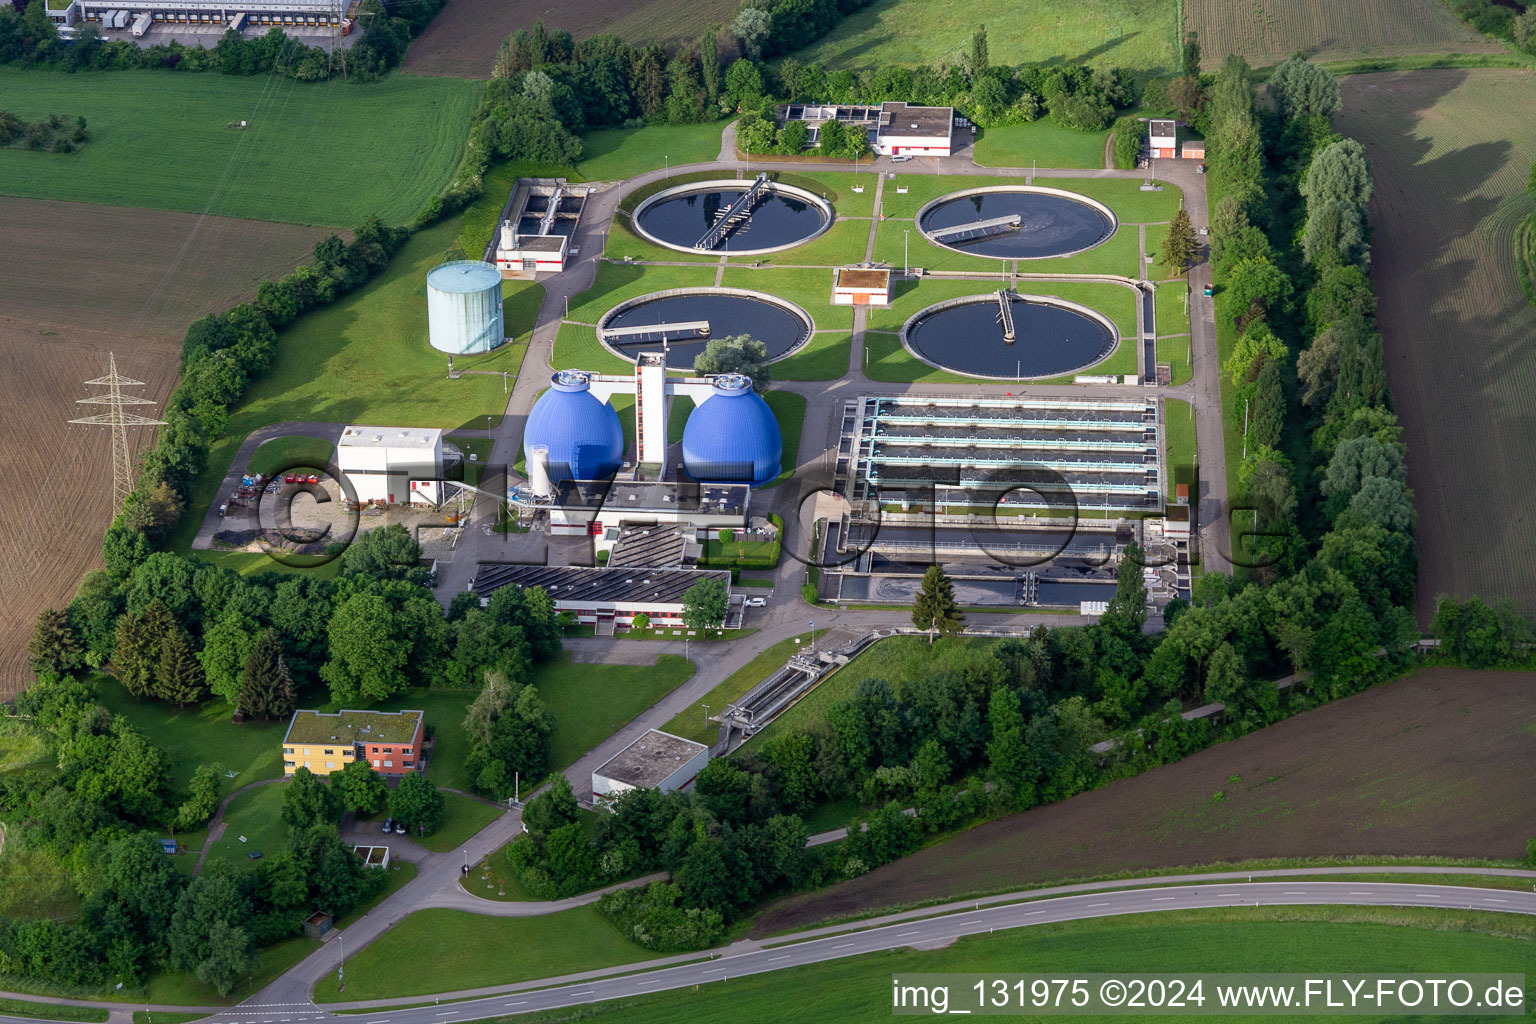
(919, 933)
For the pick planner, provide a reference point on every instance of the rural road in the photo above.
(924, 928)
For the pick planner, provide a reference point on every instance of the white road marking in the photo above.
(902, 935)
(1098, 904)
(1032, 913)
(1225, 895)
(1353, 893)
(1492, 900)
(1161, 899)
(1427, 895)
(844, 945)
(648, 981)
(773, 958)
(1294, 892)
(520, 1002)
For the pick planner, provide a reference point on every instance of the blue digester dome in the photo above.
(581, 432)
(732, 437)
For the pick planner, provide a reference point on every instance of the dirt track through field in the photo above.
(1441, 763)
(461, 41)
(1450, 154)
(94, 280)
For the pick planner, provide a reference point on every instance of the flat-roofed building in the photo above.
(1163, 139)
(658, 760)
(603, 597)
(589, 506)
(392, 464)
(391, 741)
(862, 286)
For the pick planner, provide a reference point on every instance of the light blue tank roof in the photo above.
(464, 276)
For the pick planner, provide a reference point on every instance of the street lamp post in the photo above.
(905, 236)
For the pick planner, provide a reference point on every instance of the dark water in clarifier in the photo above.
(1052, 225)
(776, 220)
(728, 315)
(1050, 340)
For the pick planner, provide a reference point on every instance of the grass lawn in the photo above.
(1040, 143)
(1315, 939)
(789, 409)
(186, 990)
(462, 817)
(162, 140)
(247, 563)
(492, 878)
(288, 453)
(22, 744)
(256, 814)
(1172, 307)
(577, 348)
(1156, 235)
(616, 153)
(1179, 422)
(1139, 35)
(164, 1017)
(842, 243)
(51, 1011)
(896, 660)
(591, 702)
(809, 288)
(824, 357)
(616, 282)
(365, 359)
(201, 735)
(692, 723)
(1175, 352)
(466, 951)
(740, 554)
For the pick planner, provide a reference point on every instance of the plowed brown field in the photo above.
(1269, 31)
(461, 41)
(1450, 153)
(85, 281)
(1440, 763)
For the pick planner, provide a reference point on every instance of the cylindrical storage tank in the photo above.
(732, 437)
(575, 435)
(536, 461)
(464, 307)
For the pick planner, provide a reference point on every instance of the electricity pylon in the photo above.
(119, 420)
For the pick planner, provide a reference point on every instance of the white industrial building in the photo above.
(658, 760)
(895, 128)
(291, 15)
(392, 464)
(1163, 139)
(605, 597)
(537, 225)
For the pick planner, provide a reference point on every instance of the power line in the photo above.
(119, 420)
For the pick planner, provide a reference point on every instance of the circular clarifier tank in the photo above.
(1051, 337)
(689, 217)
(675, 317)
(1016, 222)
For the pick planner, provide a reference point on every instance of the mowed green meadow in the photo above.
(1139, 35)
(328, 153)
(1303, 939)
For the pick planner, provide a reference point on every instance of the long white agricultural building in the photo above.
(290, 14)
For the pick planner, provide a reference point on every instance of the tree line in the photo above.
(30, 38)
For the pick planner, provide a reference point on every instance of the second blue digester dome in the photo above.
(733, 436)
(580, 431)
